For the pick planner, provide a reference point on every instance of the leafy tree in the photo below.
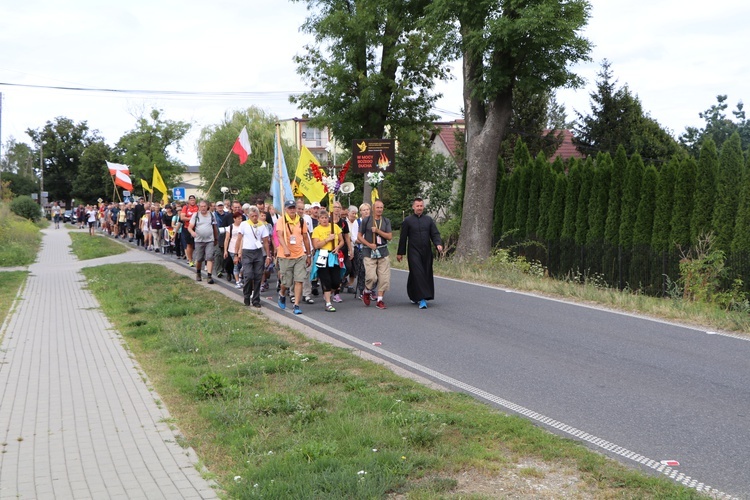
(660, 239)
(644, 220)
(19, 184)
(151, 143)
(216, 141)
(93, 180)
(62, 143)
(683, 202)
(539, 167)
(599, 197)
(727, 192)
(505, 46)
(705, 190)
(631, 197)
(617, 118)
(371, 69)
(616, 187)
(18, 158)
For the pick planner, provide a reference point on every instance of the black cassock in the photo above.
(416, 235)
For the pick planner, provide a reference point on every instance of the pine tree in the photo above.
(509, 204)
(558, 165)
(522, 204)
(683, 205)
(571, 200)
(557, 208)
(644, 220)
(727, 192)
(705, 190)
(660, 239)
(545, 200)
(741, 241)
(582, 211)
(631, 197)
(502, 186)
(535, 191)
(598, 198)
(614, 203)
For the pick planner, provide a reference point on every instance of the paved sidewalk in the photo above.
(76, 418)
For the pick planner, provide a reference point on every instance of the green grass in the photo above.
(19, 239)
(293, 418)
(87, 247)
(10, 283)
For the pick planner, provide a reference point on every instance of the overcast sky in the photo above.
(676, 55)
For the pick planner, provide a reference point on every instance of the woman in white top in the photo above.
(230, 244)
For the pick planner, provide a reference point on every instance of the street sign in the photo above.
(178, 194)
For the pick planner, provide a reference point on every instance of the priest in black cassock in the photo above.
(418, 233)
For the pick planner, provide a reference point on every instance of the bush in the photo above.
(27, 208)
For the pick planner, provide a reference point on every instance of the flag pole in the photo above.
(279, 178)
(217, 173)
(114, 187)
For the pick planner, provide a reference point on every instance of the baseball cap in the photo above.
(315, 204)
(219, 203)
(290, 204)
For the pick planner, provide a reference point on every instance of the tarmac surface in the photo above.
(78, 418)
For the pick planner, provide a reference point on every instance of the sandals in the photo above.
(307, 299)
(330, 308)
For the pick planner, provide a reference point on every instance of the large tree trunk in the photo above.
(486, 126)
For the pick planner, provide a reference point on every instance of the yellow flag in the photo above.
(311, 187)
(145, 185)
(374, 195)
(158, 182)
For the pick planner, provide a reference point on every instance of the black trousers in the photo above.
(252, 272)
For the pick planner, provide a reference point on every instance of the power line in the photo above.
(253, 95)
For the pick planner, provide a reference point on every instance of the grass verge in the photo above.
(19, 238)
(272, 413)
(87, 247)
(10, 282)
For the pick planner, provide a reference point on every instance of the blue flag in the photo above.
(280, 176)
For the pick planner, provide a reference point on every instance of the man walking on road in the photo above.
(374, 234)
(418, 234)
(251, 246)
(203, 229)
(294, 253)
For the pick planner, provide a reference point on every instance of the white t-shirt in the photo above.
(252, 237)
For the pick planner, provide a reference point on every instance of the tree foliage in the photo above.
(728, 187)
(660, 239)
(599, 198)
(93, 180)
(684, 188)
(505, 46)
(617, 118)
(631, 197)
(370, 67)
(718, 127)
(61, 143)
(214, 146)
(705, 190)
(153, 141)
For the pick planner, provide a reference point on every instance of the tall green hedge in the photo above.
(727, 192)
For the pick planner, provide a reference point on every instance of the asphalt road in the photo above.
(640, 390)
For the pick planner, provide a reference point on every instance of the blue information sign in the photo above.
(178, 194)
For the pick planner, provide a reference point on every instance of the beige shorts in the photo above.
(292, 271)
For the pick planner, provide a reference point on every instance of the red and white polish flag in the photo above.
(242, 146)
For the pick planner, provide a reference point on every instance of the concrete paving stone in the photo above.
(74, 394)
